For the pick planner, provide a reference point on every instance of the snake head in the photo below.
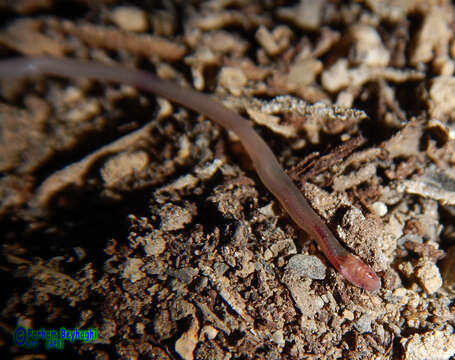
(359, 273)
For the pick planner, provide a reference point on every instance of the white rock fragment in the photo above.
(345, 99)
(401, 295)
(184, 148)
(233, 79)
(174, 217)
(83, 111)
(266, 40)
(274, 42)
(306, 266)
(122, 166)
(427, 190)
(246, 264)
(130, 18)
(307, 14)
(336, 77)
(443, 65)
(308, 303)
(278, 337)
(348, 315)
(379, 208)
(339, 76)
(429, 277)
(267, 210)
(154, 243)
(282, 247)
(131, 270)
(365, 173)
(208, 170)
(363, 324)
(273, 123)
(73, 95)
(188, 181)
(391, 10)
(431, 345)
(209, 332)
(368, 47)
(433, 36)
(406, 142)
(198, 61)
(441, 95)
(303, 72)
(407, 269)
(268, 254)
(186, 344)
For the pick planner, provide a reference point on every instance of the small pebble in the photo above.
(130, 18)
(307, 266)
(363, 324)
(132, 269)
(429, 277)
(348, 315)
(233, 79)
(380, 208)
(154, 243)
(174, 217)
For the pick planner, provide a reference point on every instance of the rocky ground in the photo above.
(125, 213)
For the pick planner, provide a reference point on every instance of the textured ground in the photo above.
(128, 214)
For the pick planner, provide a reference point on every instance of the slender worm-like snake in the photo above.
(264, 161)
